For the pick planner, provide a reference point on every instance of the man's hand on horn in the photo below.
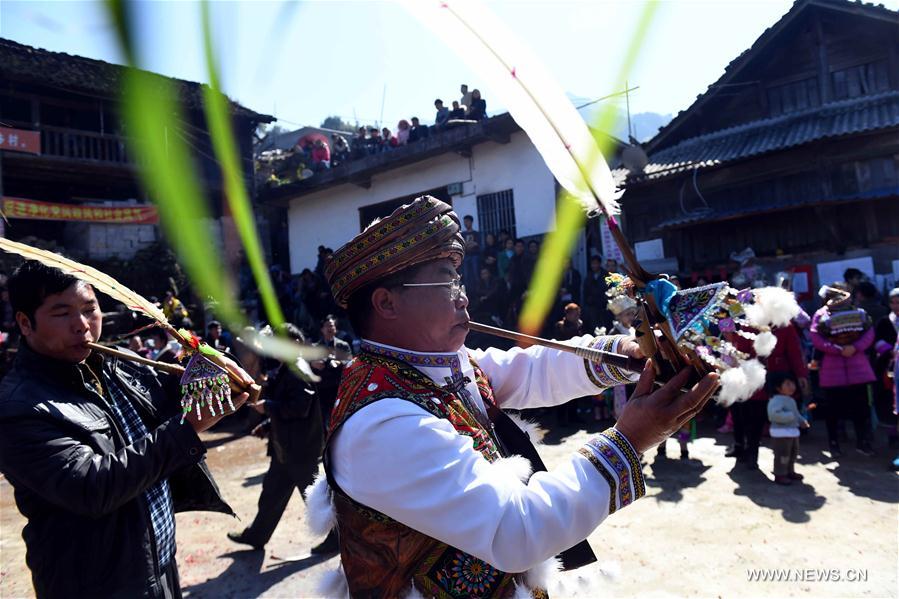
(651, 416)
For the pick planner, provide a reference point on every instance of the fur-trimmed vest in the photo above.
(382, 557)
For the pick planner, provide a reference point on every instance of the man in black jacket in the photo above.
(95, 450)
(296, 440)
(330, 369)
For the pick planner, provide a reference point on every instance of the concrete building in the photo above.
(489, 170)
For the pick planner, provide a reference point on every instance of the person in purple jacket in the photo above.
(843, 333)
(895, 463)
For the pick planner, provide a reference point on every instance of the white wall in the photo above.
(331, 217)
(518, 166)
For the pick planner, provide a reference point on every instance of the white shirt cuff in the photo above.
(605, 375)
(614, 457)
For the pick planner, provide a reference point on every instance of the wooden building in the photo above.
(67, 175)
(793, 152)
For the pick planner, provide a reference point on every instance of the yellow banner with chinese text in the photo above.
(34, 209)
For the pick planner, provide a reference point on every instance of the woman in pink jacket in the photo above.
(843, 333)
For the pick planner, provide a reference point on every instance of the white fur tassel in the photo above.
(543, 574)
(596, 580)
(738, 384)
(764, 343)
(414, 593)
(522, 592)
(333, 585)
(773, 306)
(320, 515)
(531, 429)
(514, 467)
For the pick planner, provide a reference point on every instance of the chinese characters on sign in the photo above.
(131, 215)
(609, 247)
(20, 140)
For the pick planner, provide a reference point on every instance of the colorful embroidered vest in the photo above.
(382, 557)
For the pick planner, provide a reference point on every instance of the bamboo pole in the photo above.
(170, 368)
(595, 355)
(254, 390)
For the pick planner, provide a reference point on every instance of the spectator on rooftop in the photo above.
(443, 114)
(465, 101)
(417, 132)
(321, 156)
(477, 111)
(340, 150)
(375, 142)
(359, 147)
(402, 132)
(388, 140)
(457, 112)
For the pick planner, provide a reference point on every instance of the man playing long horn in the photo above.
(97, 449)
(419, 458)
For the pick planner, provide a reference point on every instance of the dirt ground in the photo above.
(703, 525)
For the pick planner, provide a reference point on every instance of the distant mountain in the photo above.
(644, 124)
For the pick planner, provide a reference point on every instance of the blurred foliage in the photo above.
(335, 122)
(218, 116)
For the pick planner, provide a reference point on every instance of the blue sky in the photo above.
(371, 61)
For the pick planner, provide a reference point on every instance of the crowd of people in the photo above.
(839, 361)
(314, 154)
(497, 271)
(833, 366)
(836, 365)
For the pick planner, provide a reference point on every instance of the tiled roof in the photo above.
(858, 115)
(775, 205)
(89, 76)
(732, 70)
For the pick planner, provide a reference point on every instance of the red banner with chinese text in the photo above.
(20, 140)
(123, 215)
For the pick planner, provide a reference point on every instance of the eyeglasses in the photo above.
(456, 288)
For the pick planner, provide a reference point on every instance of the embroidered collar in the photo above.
(413, 358)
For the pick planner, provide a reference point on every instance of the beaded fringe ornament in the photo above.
(704, 320)
(204, 384)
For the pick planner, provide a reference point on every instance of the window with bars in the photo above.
(496, 211)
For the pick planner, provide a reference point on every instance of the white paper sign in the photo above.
(832, 272)
(651, 249)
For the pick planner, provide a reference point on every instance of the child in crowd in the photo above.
(785, 424)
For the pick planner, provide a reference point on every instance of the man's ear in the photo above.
(384, 304)
(25, 324)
